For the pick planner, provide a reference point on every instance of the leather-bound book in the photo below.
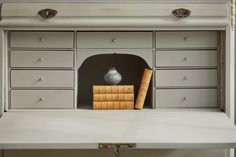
(104, 105)
(143, 89)
(116, 89)
(110, 105)
(97, 105)
(113, 97)
(113, 105)
(119, 97)
(130, 105)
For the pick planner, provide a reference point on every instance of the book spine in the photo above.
(113, 105)
(143, 89)
(121, 89)
(113, 97)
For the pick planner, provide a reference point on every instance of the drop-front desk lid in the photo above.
(146, 129)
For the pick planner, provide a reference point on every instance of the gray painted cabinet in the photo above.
(44, 62)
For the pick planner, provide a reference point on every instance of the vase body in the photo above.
(112, 77)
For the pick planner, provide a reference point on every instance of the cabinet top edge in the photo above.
(116, 1)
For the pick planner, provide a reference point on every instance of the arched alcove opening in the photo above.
(93, 69)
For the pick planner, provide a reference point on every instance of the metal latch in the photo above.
(116, 147)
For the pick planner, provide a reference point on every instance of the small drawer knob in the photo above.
(114, 40)
(41, 78)
(185, 78)
(185, 98)
(41, 98)
(185, 58)
(186, 38)
(42, 39)
(41, 59)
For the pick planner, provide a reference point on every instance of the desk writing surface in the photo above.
(85, 129)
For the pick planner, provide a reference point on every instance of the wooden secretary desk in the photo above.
(53, 51)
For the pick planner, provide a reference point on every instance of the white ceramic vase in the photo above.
(112, 77)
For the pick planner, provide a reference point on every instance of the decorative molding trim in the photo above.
(233, 18)
(98, 22)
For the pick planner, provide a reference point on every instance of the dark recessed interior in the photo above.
(93, 69)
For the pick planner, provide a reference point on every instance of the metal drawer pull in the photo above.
(185, 58)
(41, 78)
(185, 98)
(47, 13)
(185, 78)
(181, 12)
(41, 59)
(41, 99)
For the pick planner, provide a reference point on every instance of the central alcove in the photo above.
(92, 71)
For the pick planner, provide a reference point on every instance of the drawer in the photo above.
(39, 99)
(42, 78)
(186, 58)
(42, 59)
(197, 39)
(186, 98)
(201, 78)
(41, 39)
(114, 40)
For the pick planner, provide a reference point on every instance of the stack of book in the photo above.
(113, 97)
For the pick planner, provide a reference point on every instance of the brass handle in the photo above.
(47, 13)
(181, 12)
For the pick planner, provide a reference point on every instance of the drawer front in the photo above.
(41, 39)
(42, 78)
(186, 58)
(114, 40)
(204, 39)
(186, 98)
(39, 99)
(42, 59)
(201, 78)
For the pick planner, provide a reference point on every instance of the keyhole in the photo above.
(116, 151)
